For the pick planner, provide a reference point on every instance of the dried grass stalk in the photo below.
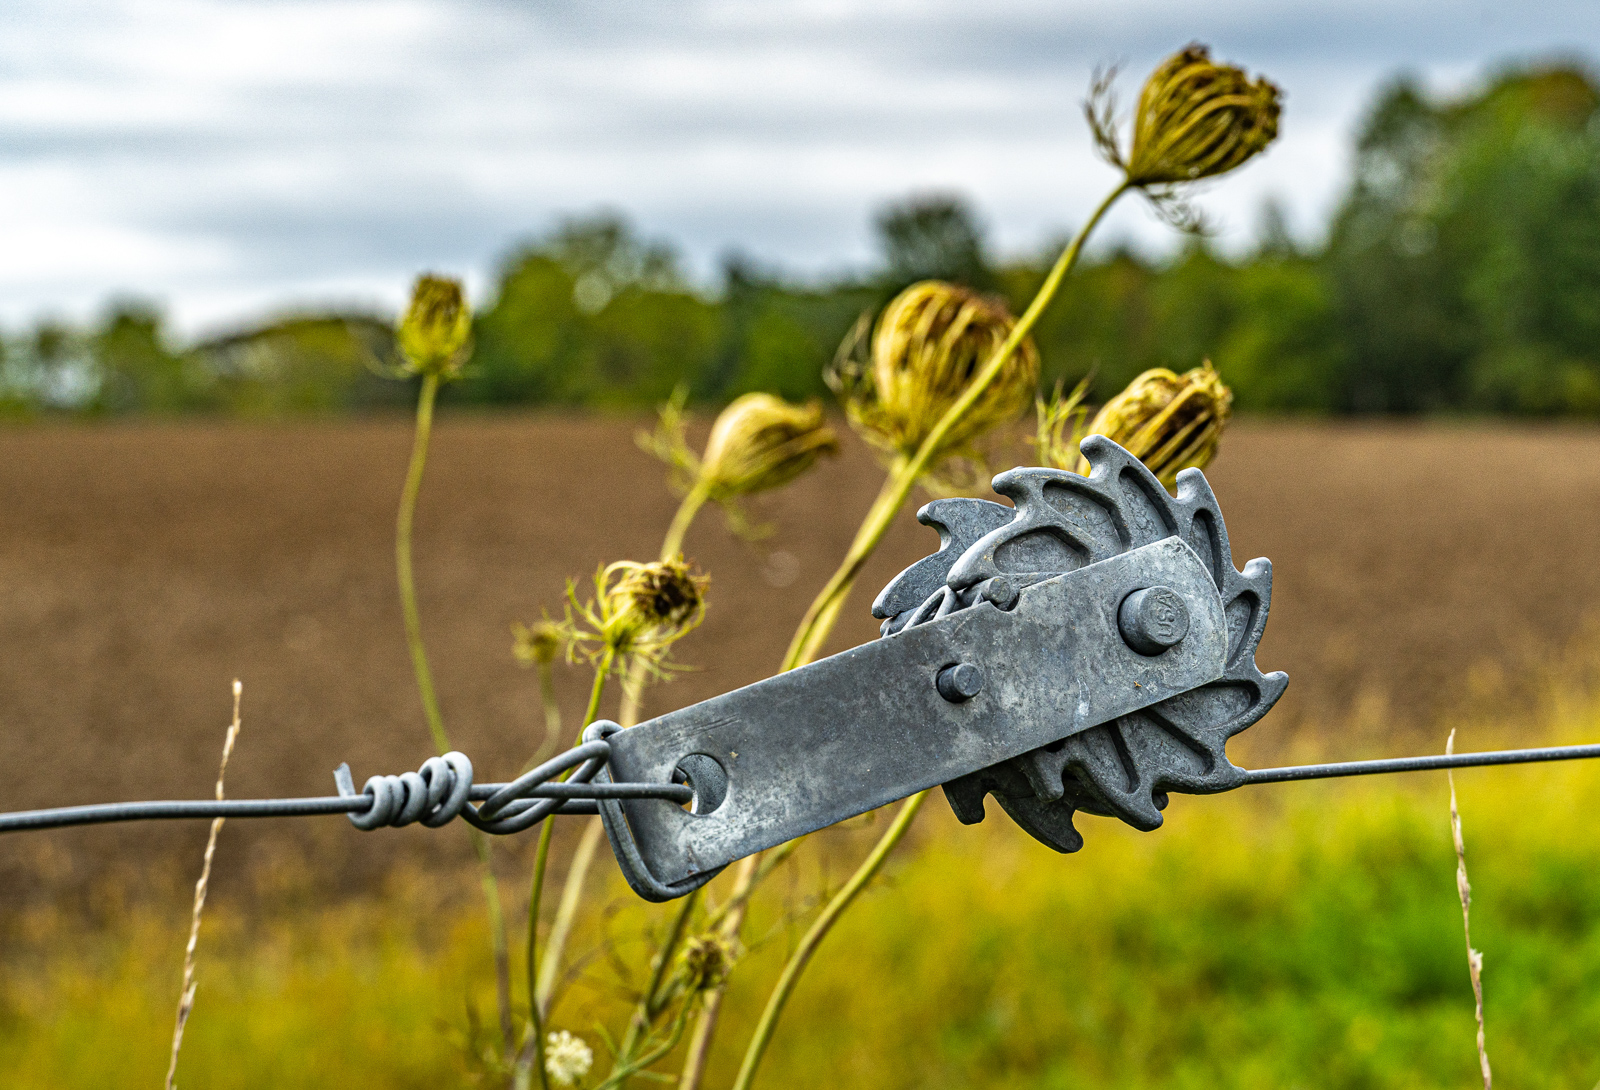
(1464, 888)
(186, 997)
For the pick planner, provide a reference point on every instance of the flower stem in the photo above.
(633, 683)
(404, 522)
(905, 472)
(672, 544)
(617, 1078)
(567, 911)
(824, 611)
(539, 990)
(651, 1002)
(552, 711)
(819, 931)
(402, 561)
(533, 1051)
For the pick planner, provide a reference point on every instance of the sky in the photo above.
(229, 159)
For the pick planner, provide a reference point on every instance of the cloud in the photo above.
(222, 155)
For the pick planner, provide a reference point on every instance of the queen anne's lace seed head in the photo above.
(923, 352)
(435, 335)
(566, 1058)
(1196, 119)
(760, 442)
(1168, 421)
(538, 643)
(638, 612)
(705, 962)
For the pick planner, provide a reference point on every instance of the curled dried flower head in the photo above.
(1168, 421)
(435, 334)
(1196, 119)
(567, 1058)
(638, 612)
(760, 442)
(538, 643)
(704, 963)
(928, 344)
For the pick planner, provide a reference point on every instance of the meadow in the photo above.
(1427, 576)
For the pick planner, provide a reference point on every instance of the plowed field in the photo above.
(143, 567)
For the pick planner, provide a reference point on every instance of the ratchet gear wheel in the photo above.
(1061, 522)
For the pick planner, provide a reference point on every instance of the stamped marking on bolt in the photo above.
(1153, 619)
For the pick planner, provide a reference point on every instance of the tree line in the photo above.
(1460, 273)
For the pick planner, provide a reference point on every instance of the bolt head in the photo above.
(960, 682)
(1002, 592)
(1153, 619)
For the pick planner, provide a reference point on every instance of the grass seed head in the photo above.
(1196, 119)
(435, 334)
(760, 442)
(927, 346)
(1168, 421)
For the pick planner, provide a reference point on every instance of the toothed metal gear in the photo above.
(1063, 521)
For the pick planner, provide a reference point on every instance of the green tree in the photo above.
(591, 315)
(1466, 259)
(933, 237)
(137, 371)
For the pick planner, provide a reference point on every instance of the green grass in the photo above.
(1297, 936)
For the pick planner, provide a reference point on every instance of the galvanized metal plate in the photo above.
(852, 732)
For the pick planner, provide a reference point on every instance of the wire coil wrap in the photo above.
(442, 790)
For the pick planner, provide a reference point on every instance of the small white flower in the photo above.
(566, 1058)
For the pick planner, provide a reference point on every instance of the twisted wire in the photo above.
(435, 794)
(442, 790)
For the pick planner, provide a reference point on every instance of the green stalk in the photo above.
(652, 1001)
(819, 931)
(904, 474)
(672, 544)
(628, 715)
(552, 709)
(617, 1078)
(567, 910)
(541, 860)
(535, 1015)
(402, 561)
(824, 611)
(404, 523)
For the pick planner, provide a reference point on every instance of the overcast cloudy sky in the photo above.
(230, 157)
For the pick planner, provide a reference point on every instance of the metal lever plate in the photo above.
(865, 727)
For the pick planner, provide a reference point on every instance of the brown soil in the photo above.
(143, 567)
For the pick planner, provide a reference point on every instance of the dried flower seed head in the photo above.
(760, 442)
(638, 612)
(1196, 119)
(704, 963)
(661, 594)
(567, 1058)
(538, 643)
(929, 343)
(1168, 421)
(435, 335)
